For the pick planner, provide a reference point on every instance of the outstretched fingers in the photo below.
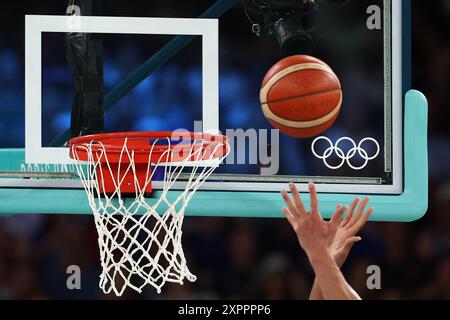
(289, 217)
(297, 200)
(358, 224)
(361, 222)
(350, 212)
(368, 214)
(314, 200)
(348, 244)
(337, 217)
(360, 210)
(289, 203)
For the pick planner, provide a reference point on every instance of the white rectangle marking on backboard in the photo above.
(35, 25)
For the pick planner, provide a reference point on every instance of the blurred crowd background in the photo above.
(249, 258)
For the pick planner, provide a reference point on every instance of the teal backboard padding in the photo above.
(411, 205)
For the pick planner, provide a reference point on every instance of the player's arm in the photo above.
(330, 278)
(316, 236)
(345, 237)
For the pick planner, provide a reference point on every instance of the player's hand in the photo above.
(345, 236)
(315, 235)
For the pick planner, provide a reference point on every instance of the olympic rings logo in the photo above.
(345, 157)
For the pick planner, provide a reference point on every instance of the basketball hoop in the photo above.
(140, 235)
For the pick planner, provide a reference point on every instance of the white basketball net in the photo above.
(140, 238)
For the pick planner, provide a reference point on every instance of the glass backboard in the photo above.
(178, 69)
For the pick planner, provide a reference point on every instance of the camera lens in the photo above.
(292, 38)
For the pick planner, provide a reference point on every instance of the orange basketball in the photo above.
(301, 96)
